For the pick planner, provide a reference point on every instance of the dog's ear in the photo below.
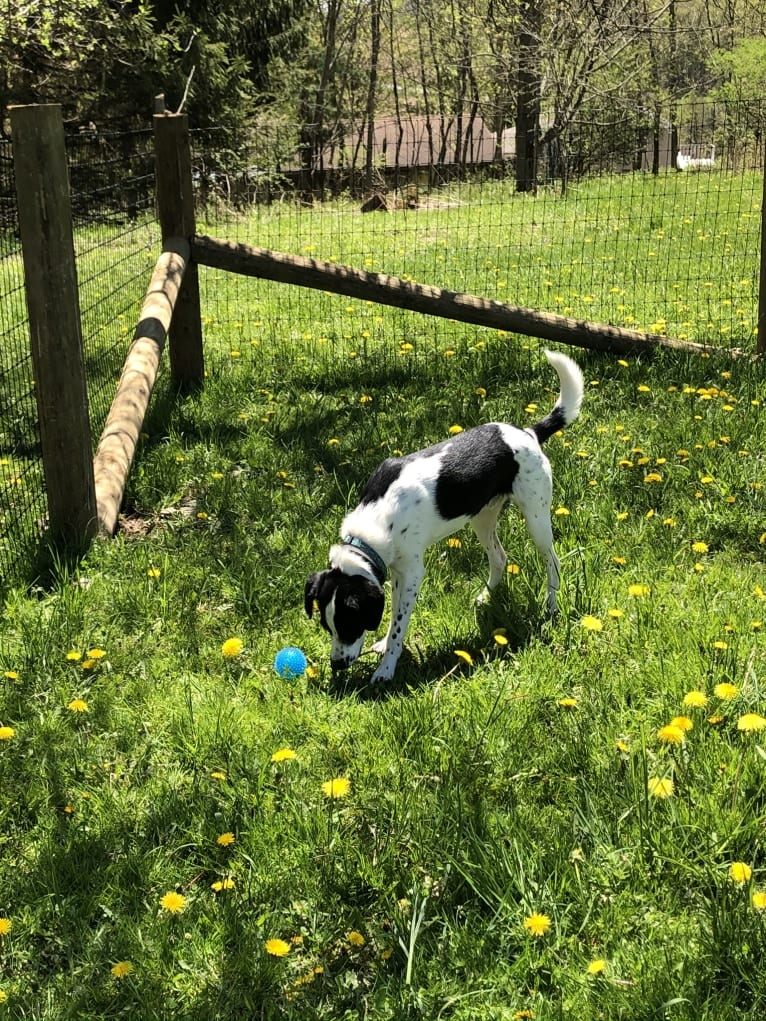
(372, 605)
(312, 591)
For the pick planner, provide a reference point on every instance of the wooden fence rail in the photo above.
(466, 308)
(119, 439)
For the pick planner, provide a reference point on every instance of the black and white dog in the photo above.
(411, 502)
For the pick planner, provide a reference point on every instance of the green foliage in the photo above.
(741, 71)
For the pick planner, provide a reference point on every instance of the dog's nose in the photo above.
(339, 664)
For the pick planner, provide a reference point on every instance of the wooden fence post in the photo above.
(45, 224)
(175, 207)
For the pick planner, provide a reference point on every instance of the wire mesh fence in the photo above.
(117, 240)
(116, 243)
(614, 232)
(22, 503)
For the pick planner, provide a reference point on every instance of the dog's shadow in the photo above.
(494, 630)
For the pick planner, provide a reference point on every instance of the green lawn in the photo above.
(519, 830)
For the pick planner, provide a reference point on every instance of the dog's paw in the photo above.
(484, 597)
(379, 647)
(382, 675)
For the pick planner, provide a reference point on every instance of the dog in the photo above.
(411, 502)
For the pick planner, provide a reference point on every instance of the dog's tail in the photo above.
(567, 407)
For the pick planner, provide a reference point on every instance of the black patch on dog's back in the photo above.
(382, 479)
(478, 466)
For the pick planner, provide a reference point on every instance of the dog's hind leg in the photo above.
(485, 525)
(541, 533)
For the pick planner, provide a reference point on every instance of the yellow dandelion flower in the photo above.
(751, 722)
(356, 939)
(740, 872)
(615, 613)
(232, 647)
(337, 788)
(653, 477)
(638, 590)
(455, 429)
(277, 947)
(695, 699)
(218, 774)
(222, 884)
(153, 572)
(122, 969)
(568, 703)
(225, 839)
(283, 755)
(670, 734)
(454, 543)
(5, 926)
(591, 623)
(597, 967)
(700, 547)
(500, 638)
(562, 512)
(78, 705)
(682, 722)
(759, 900)
(6, 733)
(726, 691)
(173, 902)
(465, 656)
(660, 786)
(720, 645)
(95, 653)
(537, 924)
(11, 675)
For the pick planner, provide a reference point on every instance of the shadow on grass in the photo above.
(420, 668)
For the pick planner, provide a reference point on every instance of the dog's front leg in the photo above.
(404, 593)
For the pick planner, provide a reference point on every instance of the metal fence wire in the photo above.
(117, 238)
(22, 502)
(639, 229)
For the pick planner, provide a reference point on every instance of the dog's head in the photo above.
(349, 605)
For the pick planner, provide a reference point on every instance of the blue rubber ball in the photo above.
(290, 662)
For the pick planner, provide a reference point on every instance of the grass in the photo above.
(503, 848)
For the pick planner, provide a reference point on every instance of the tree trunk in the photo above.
(528, 98)
(372, 81)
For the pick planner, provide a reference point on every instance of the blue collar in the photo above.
(377, 563)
